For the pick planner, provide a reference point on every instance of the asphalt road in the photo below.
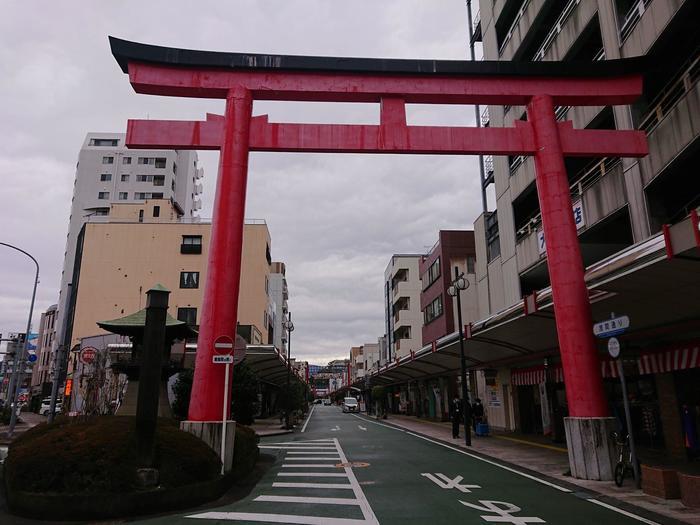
(347, 469)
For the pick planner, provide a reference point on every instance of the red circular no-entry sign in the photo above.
(87, 355)
(223, 345)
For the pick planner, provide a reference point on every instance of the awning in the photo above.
(270, 365)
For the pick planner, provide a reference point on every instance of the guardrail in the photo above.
(556, 29)
(631, 18)
(509, 34)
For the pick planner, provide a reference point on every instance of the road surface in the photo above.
(348, 469)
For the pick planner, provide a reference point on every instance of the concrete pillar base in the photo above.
(591, 451)
(210, 433)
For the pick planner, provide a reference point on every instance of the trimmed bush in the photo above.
(245, 451)
(99, 456)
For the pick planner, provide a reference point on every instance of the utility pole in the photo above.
(459, 284)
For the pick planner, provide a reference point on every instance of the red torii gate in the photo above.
(241, 78)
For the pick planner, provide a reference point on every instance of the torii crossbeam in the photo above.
(242, 78)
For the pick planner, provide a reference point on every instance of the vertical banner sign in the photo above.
(579, 220)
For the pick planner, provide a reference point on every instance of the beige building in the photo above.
(122, 255)
(42, 372)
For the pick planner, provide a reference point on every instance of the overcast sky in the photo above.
(334, 219)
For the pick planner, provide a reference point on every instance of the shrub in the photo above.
(244, 394)
(245, 451)
(182, 390)
(99, 456)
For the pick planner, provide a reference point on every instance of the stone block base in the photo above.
(591, 451)
(690, 489)
(660, 482)
(210, 433)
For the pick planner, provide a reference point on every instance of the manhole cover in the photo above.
(353, 464)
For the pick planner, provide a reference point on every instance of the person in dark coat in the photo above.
(456, 416)
(477, 413)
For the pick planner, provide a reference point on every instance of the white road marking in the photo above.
(307, 452)
(362, 428)
(367, 511)
(305, 499)
(444, 482)
(313, 474)
(335, 429)
(514, 471)
(277, 518)
(302, 465)
(303, 429)
(623, 512)
(309, 442)
(313, 458)
(289, 447)
(291, 485)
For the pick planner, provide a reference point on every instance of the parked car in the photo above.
(327, 401)
(46, 406)
(350, 404)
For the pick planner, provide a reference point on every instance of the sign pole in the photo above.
(223, 419)
(628, 419)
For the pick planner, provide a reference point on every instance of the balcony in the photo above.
(631, 18)
(402, 319)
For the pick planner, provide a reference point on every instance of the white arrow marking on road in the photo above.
(335, 429)
(446, 483)
(362, 428)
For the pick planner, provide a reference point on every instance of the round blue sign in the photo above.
(31, 358)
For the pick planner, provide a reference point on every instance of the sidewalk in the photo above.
(28, 420)
(548, 459)
(270, 426)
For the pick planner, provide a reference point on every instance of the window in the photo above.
(105, 177)
(189, 279)
(433, 310)
(265, 319)
(158, 162)
(144, 178)
(101, 211)
(159, 180)
(123, 195)
(103, 195)
(143, 195)
(174, 168)
(156, 211)
(107, 160)
(267, 285)
(172, 185)
(471, 264)
(126, 160)
(140, 215)
(432, 274)
(125, 177)
(191, 244)
(188, 315)
(104, 142)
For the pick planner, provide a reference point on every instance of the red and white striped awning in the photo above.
(680, 357)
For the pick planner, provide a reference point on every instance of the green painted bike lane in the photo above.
(396, 477)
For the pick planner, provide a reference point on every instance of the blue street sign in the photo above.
(611, 327)
(31, 358)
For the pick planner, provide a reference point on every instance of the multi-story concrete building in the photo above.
(454, 248)
(42, 372)
(108, 173)
(357, 363)
(402, 313)
(627, 213)
(279, 293)
(120, 258)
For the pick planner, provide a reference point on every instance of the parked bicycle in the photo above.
(624, 457)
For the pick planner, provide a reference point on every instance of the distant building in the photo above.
(279, 295)
(402, 310)
(42, 372)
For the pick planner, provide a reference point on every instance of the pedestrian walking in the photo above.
(456, 416)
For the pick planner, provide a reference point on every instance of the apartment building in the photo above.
(42, 372)
(108, 173)
(138, 245)
(402, 313)
(627, 213)
(453, 249)
(279, 294)
(357, 363)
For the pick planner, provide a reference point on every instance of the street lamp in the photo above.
(21, 362)
(459, 284)
(289, 326)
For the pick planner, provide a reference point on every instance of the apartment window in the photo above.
(123, 195)
(101, 211)
(432, 274)
(143, 195)
(106, 177)
(174, 167)
(107, 160)
(433, 310)
(471, 264)
(104, 142)
(103, 195)
(144, 178)
(189, 279)
(265, 322)
(140, 215)
(191, 244)
(493, 244)
(160, 162)
(267, 285)
(156, 211)
(146, 160)
(188, 315)
(159, 180)
(125, 177)
(126, 160)
(172, 185)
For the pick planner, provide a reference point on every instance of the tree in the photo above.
(244, 394)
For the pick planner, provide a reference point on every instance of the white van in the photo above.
(350, 405)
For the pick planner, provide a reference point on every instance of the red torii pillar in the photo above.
(542, 136)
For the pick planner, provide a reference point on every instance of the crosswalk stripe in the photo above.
(313, 474)
(305, 499)
(296, 448)
(282, 484)
(309, 452)
(277, 518)
(313, 465)
(313, 458)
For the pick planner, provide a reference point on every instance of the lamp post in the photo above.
(289, 326)
(459, 284)
(20, 362)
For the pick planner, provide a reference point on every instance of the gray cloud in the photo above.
(335, 220)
